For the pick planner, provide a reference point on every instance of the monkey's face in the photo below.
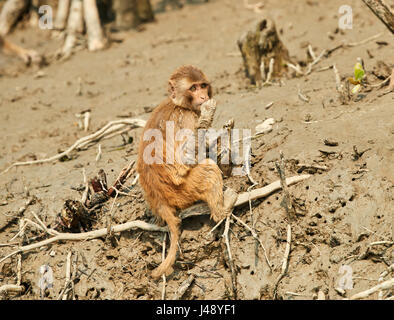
(190, 94)
(189, 88)
(198, 93)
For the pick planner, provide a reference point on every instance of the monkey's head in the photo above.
(189, 88)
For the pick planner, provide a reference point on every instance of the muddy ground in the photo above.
(341, 209)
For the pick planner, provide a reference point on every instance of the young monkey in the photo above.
(172, 184)
(26, 55)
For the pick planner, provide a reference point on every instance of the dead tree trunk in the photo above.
(96, 38)
(62, 14)
(382, 11)
(74, 25)
(144, 11)
(12, 10)
(258, 45)
(131, 13)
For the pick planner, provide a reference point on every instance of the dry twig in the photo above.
(183, 287)
(383, 12)
(254, 235)
(68, 275)
(163, 256)
(113, 127)
(389, 284)
(285, 260)
(230, 257)
(287, 199)
(199, 209)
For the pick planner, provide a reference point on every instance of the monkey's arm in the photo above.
(204, 122)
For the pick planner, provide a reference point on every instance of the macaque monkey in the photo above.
(173, 184)
(26, 55)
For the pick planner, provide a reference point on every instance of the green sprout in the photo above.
(359, 75)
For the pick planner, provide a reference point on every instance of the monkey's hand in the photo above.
(207, 112)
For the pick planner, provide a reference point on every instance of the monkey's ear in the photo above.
(171, 89)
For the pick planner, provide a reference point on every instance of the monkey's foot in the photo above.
(229, 199)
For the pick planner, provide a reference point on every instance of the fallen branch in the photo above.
(254, 235)
(123, 176)
(285, 260)
(287, 199)
(382, 11)
(19, 271)
(382, 286)
(163, 256)
(86, 184)
(391, 85)
(110, 128)
(339, 86)
(195, 210)
(230, 257)
(243, 198)
(355, 44)
(183, 287)
(11, 288)
(20, 212)
(381, 84)
(87, 235)
(99, 153)
(68, 276)
(302, 96)
(315, 61)
(296, 68)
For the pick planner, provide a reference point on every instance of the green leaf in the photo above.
(359, 72)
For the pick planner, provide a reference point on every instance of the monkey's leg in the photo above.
(205, 183)
(168, 215)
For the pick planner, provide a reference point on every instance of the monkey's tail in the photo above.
(173, 222)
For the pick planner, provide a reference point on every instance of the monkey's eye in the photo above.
(193, 88)
(203, 85)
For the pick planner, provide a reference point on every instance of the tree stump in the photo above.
(258, 45)
(10, 13)
(131, 13)
(144, 11)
